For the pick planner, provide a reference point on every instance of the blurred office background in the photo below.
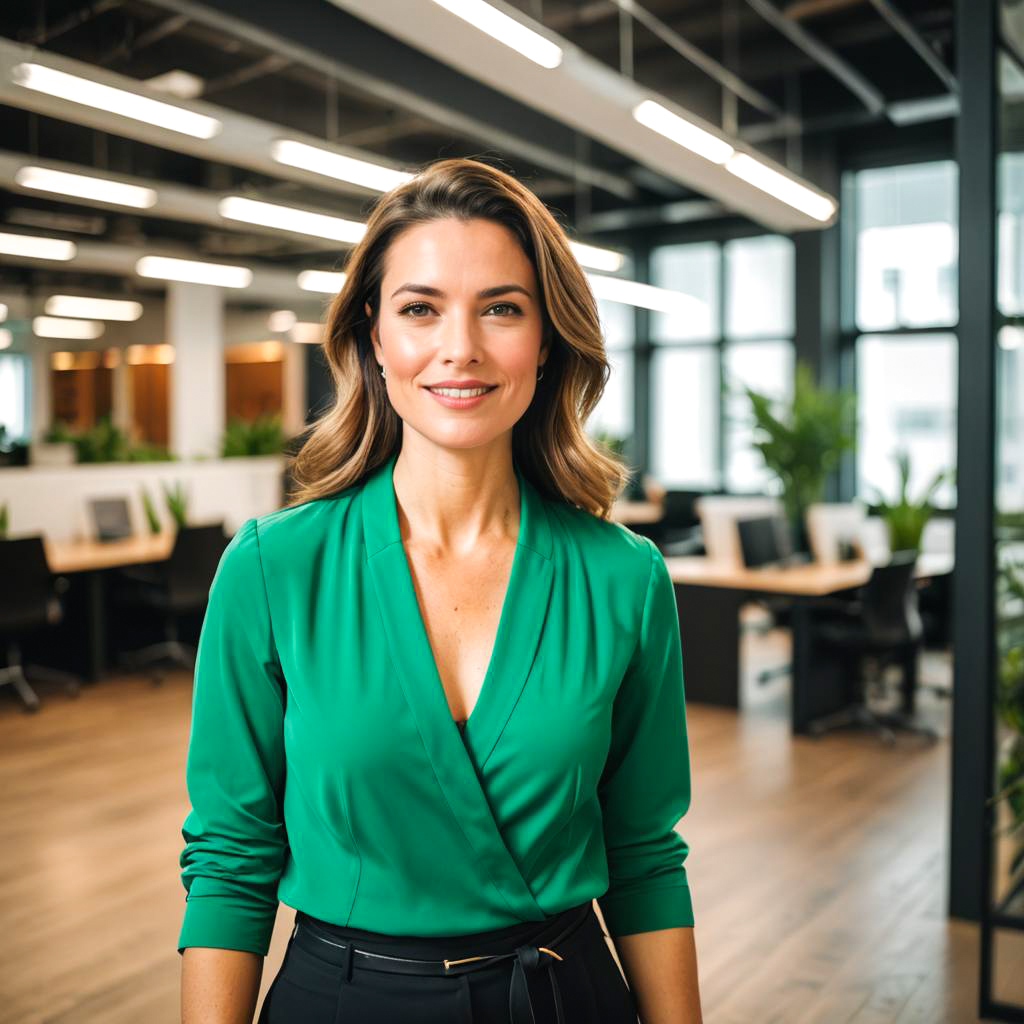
(803, 221)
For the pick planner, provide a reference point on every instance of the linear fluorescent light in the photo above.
(81, 186)
(685, 133)
(6, 338)
(281, 320)
(336, 165)
(287, 218)
(321, 281)
(506, 30)
(306, 333)
(782, 187)
(598, 259)
(37, 248)
(633, 293)
(194, 272)
(98, 309)
(58, 327)
(115, 101)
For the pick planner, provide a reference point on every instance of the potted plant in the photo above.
(904, 518)
(177, 502)
(262, 436)
(151, 516)
(803, 443)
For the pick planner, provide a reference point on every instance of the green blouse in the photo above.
(325, 769)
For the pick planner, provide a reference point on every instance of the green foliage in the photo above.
(177, 503)
(106, 442)
(803, 442)
(906, 519)
(151, 517)
(4, 519)
(262, 436)
(614, 444)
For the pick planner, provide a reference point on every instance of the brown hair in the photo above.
(361, 430)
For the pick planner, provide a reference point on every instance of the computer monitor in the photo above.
(112, 518)
(765, 540)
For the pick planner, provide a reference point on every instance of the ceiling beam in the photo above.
(916, 42)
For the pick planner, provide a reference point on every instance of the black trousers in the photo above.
(320, 982)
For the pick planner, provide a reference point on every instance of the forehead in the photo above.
(456, 251)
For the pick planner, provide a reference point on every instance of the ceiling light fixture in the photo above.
(596, 258)
(37, 248)
(507, 30)
(685, 133)
(58, 327)
(219, 275)
(81, 186)
(98, 309)
(781, 186)
(281, 320)
(287, 218)
(3, 312)
(321, 281)
(336, 165)
(647, 296)
(115, 101)
(6, 338)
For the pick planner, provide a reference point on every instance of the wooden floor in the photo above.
(818, 867)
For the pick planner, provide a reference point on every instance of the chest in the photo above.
(461, 604)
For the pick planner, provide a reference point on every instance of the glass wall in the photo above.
(14, 396)
(736, 330)
(903, 222)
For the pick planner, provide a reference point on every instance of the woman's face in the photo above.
(459, 302)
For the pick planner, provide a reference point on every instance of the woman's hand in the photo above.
(219, 986)
(661, 968)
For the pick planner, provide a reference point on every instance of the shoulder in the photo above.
(603, 543)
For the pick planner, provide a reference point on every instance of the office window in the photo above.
(695, 271)
(767, 367)
(1010, 226)
(759, 287)
(14, 380)
(745, 340)
(1010, 418)
(906, 239)
(614, 412)
(684, 416)
(907, 395)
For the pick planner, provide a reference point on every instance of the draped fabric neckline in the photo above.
(459, 761)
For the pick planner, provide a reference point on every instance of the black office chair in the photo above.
(884, 624)
(29, 601)
(179, 585)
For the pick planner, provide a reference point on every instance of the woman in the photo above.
(438, 702)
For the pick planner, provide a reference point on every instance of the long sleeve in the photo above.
(235, 841)
(645, 786)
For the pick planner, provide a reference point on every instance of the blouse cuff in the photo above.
(647, 911)
(227, 922)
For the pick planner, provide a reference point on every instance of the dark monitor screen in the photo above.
(111, 517)
(764, 541)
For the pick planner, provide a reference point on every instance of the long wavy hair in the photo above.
(361, 430)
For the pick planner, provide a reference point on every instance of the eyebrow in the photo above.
(487, 293)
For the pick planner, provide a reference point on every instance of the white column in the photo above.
(41, 397)
(195, 327)
(121, 393)
(293, 413)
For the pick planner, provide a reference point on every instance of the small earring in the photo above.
(541, 374)
(382, 373)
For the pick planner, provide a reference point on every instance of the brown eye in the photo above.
(413, 305)
(507, 305)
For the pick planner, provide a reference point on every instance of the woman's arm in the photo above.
(661, 968)
(219, 986)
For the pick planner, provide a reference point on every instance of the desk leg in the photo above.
(820, 679)
(96, 655)
(710, 633)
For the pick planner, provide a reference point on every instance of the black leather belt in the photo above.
(528, 963)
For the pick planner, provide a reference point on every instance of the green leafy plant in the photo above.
(151, 517)
(4, 519)
(802, 442)
(612, 442)
(177, 502)
(262, 436)
(907, 519)
(105, 442)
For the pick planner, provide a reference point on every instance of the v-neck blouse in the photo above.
(324, 761)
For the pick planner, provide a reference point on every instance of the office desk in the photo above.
(624, 511)
(85, 561)
(709, 596)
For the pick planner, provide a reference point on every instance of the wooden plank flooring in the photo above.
(818, 867)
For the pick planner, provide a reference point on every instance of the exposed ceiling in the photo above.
(793, 71)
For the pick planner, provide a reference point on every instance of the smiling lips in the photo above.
(460, 397)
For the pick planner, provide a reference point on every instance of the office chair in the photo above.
(29, 601)
(885, 625)
(174, 587)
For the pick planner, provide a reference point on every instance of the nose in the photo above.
(459, 337)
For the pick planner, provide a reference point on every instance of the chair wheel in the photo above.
(30, 709)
